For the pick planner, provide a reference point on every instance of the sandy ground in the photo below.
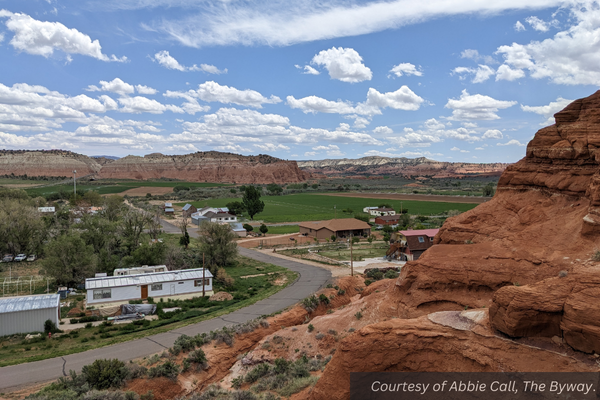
(141, 191)
(416, 197)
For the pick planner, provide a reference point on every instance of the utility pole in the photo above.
(75, 184)
(400, 207)
(335, 211)
(203, 276)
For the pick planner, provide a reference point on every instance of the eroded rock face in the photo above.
(206, 167)
(409, 167)
(46, 163)
(198, 167)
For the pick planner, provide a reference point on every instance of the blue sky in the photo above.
(460, 80)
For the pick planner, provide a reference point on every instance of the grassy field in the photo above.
(341, 252)
(314, 207)
(15, 350)
(114, 186)
(282, 229)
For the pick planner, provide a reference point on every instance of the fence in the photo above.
(24, 285)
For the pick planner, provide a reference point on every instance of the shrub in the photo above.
(243, 395)
(311, 327)
(198, 357)
(168, 369)
(323, 299)
(257, 372)
(310, 303)
(224, 278)
(391, 274)
(358, 315)
(185, 343)
(50, 327)
(298, 384)
(596, 255)
(562, 274)
(319, 336)
(368, 282)
(341, 292)
(105, 374)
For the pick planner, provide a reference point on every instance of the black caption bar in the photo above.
(474, 385)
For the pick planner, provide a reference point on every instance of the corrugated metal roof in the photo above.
(169, 210)
(145, 279)
(26, 303)
(186, 207)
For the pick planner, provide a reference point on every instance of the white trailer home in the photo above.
(114, 290)
(26, 314)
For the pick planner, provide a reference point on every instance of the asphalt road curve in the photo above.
(309, 281)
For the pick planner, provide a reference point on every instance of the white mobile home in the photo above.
(28, 313)
(144, 269)
(114, 290)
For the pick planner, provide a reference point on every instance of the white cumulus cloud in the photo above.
(117, 85)
(548, 110)
(343, 64)
(43, 38)
(513, 142)
(519, 26)
(211, 91)
(492, 134)
(476, 107)
(405, 69)
(481, 74)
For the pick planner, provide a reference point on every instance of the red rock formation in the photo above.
(46, 163)
(198, 167)
(209, 166)
(408, 167)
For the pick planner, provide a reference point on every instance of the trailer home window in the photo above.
(198, 282)
(102, 294)
(156, 286)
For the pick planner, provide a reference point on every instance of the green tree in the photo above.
(236, 207)
(133, 225)
(333, 238)
(251, 201)
(150, 254)
(274, 189)
(387, 228)
(315, 186)
(218, 243)
(185, 239)
(404, 220)
(21, 227)
(113, 207)
(93, 198)
(69, 260)
(263, 229)
(248, 227)
(489, 189)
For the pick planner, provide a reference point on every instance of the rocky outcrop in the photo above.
(209, 166)
(197, 167)
(408, 167)
(46, 163)
(528, 256)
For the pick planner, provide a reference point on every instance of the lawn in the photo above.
(282, 229)
(314, 207)
(15, 350)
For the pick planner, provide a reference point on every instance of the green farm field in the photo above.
(113, 186)
(314, 207)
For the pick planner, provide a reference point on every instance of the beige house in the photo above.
(341, 228)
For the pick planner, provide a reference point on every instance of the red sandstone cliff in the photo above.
(208, 166)
(524, 261)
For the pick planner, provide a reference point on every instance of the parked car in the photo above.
(8, 258)
(31, 257)
(21, 257)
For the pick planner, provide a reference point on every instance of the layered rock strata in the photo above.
(46, 163)
(407, 167)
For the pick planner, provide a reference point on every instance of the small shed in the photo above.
(170, 211)
(198, 218)
(182, 284)
(188, 210)
(26, 314)
(238, 229)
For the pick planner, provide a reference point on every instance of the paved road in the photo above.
(310, 280)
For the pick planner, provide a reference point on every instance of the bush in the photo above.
(341, 292)
(311, 327)
(185, 343)
(50, 327)
(310, 303)
(168, 369)
(105, 374)
(391, 274)
(319, 336)
(224, 278)
(298, 384)
(596, 255)
(323, 299)
(198, 357)
(358, 315)
(257, 372)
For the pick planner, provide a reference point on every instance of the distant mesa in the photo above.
(374, 166)
(211, 166)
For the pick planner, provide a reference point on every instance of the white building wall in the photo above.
(27, 321)
(134, 292)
